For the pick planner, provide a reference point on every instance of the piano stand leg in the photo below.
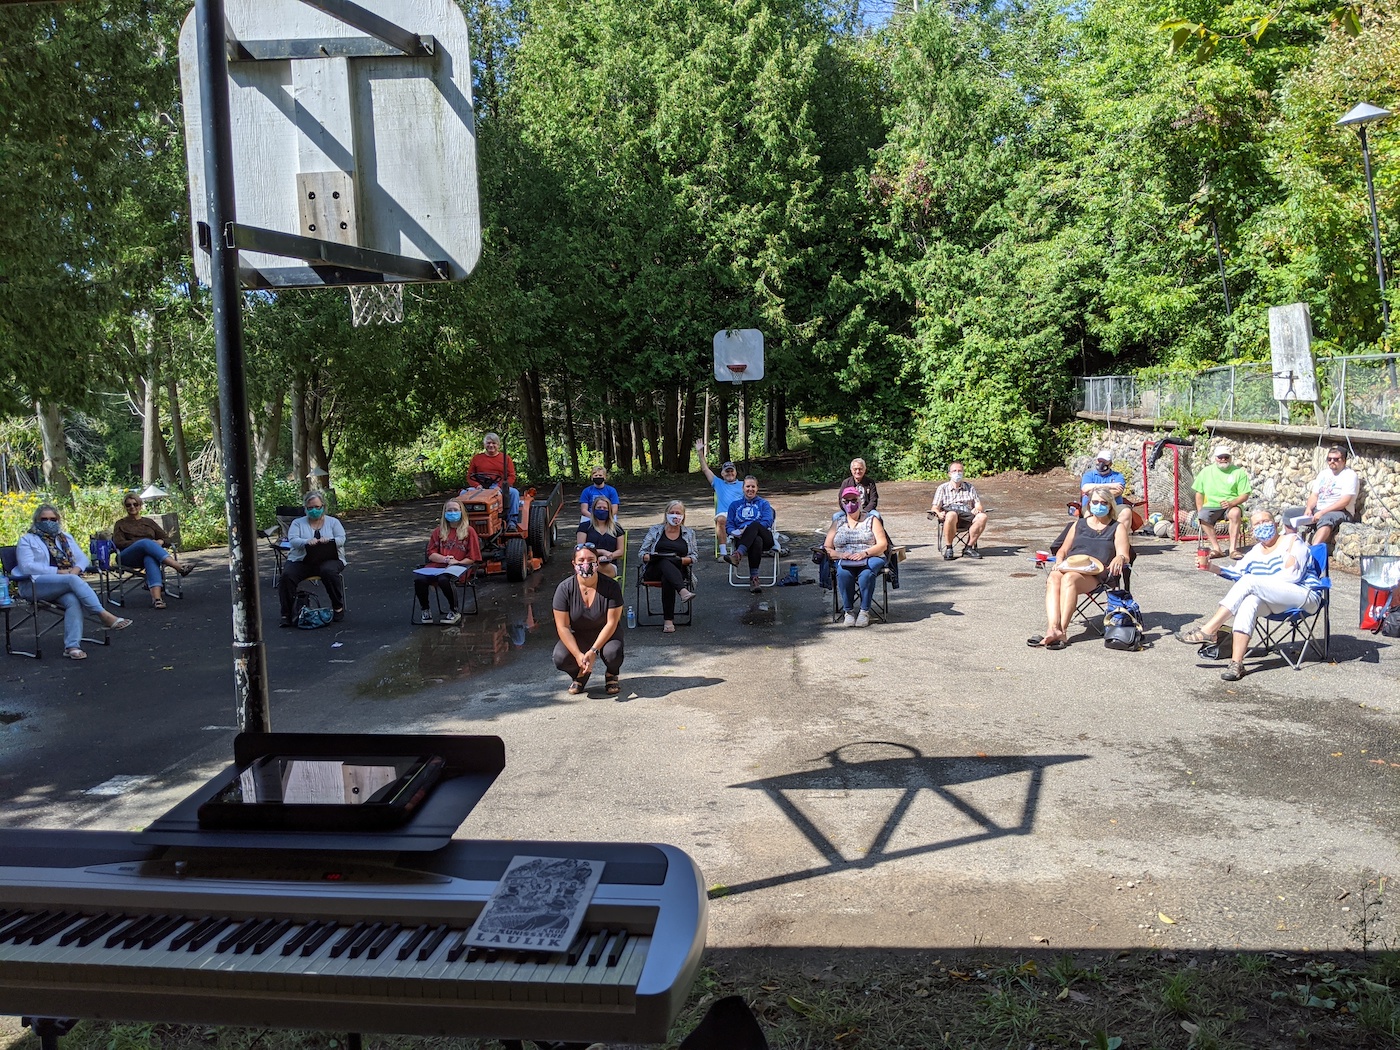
(49, 1029)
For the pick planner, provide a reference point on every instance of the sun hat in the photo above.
(1082, 563)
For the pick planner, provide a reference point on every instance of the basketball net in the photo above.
(736, 373)
(376, 304)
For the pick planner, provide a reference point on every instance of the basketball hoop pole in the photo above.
(249, 653)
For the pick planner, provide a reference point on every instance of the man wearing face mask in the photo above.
(597, 486)
(1102, 475)
(1274, 575)
(956, 504)
(316, 543)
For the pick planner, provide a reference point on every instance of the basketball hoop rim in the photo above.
(736, 373)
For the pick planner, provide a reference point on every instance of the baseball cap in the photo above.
(727, 466)
(1220, 450)
(850, 490)
(1106, 455)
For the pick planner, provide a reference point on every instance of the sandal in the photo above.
(1057, 644)
(75, 654)
(157, 603)
(1035, 640)
(1194, 636)
(612, 686)
(119, 624)
(578, 685)
(1234, 671)
(669, 628)
(184, 570)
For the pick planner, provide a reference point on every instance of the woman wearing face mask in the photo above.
(1090, 550)
(49, 566)
(668, 551)
(453, 546)
(606, 535)
(587, 614)
(316, 543)
(856, 543)
(1275, 574)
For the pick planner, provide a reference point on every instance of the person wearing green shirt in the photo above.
(1221, 490)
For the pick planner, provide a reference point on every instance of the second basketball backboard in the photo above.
(354, 142)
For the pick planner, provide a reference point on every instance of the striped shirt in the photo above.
(1258, 561)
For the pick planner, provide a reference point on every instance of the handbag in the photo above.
(310, 617)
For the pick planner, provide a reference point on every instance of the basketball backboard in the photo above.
(738, 355)
(354, 142)
(1290, 343)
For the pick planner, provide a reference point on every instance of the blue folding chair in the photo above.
(1278, 632)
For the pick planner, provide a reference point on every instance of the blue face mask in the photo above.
(452, 517)
(1265, 531)
(49, 528)
(314, 513)
(1098, 509)
(601, 515)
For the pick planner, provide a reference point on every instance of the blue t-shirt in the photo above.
(1093, 477)
(726, 492)
(591, 493)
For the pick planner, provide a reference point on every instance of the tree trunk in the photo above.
(570, 438)
(639, 443)
(650, 429)
(300, 453)
(721, 424)
(780, 434)
(55, 443)
(670, 430)
(267, 435)
(216, 428)
(602, 440)
(532, 416)
(317, 457)
(177, 435)
(687, 438)
(770, 427)
(150, 427)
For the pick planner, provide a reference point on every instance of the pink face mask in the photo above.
(585, 569)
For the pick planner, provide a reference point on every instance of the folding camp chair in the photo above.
(25, 608)
(739, 574)
(464, 583)
(1279, 631)
(1092, 606)
(880, 600)
(118, 578)
(648, 616)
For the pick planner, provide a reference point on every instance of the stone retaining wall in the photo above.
(1280, 470)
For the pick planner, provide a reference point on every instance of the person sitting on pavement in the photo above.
(668, 551)
(860, 479)
(587, 615)
(316, 547)
(749, 524)
(1103, 474)
(601, 529)
(1276, 574)
(1088, 552)
(1221, 490)
(454, 544)
(141, 543)
(49, 567)
(957, 505)
(727, 488)
(856, 543)
(1331, 499)
(493, 469)
(597, 486)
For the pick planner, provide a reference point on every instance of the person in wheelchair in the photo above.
(141, 543)
(1088, 552)
(316, 543)
(668, 551)
(856, 543)
(1275, 575)
(454, 543)
(49, 567)
(956, 505)
(607, 536)
(492, 468)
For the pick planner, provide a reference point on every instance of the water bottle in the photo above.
(631, 616)
(4, 589)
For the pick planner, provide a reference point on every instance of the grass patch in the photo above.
(991, 1001)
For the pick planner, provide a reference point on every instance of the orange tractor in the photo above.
(516, 552)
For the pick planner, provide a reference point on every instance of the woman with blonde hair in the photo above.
(607, 536)
(453, 549)
(1088, 552)
(668, 551)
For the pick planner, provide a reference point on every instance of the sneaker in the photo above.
(1234, 672)
(425, 617)
(754, 585)
(948, 553)
(973, 553)
(849, 620)
(452, 619)
(863, 618)
(338, 616)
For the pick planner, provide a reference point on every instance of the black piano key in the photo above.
(576, 949)
(300, 937)
(525, 955)
(136, 934)
(57, 924)
(615, 949)
(232, 937)
(93, 922)
(321, 937)
(341, 946)
(250, 937)
(184, 937)
(272, 936)
(384, 940)
(475, 952)
(459, 945)
(155, 934)
(361, 943)
(216, 927)
(595, 948)
(19, 931)
(106, 926)
(119, 934)
(414, 939)
(431, 944)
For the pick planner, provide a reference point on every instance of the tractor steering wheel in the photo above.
(486, 481)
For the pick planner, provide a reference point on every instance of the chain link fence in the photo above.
(1358, 391)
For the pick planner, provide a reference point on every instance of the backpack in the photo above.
(1122, 622)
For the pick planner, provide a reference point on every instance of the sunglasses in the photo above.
(1334, 459)
(1222, 459)
(585, 547)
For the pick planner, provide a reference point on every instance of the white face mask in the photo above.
(955, 476)
(673, 519)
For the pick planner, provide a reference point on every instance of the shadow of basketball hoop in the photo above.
(909, 774)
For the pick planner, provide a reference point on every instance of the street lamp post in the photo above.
(1360, 115)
